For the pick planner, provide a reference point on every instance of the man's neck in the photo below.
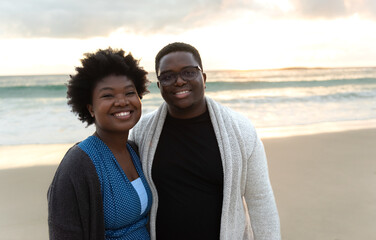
(187, 113)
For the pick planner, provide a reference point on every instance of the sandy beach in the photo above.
(325, 186)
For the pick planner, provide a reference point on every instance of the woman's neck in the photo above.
(115, 141)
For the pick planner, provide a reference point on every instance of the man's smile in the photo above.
(182, 94)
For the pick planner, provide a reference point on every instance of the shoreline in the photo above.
(29, 155)
(316, 128)
(324, 185)
(11, 156)
(263, 132)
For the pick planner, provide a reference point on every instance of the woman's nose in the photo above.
(121, 101)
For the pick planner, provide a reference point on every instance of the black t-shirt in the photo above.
(187, 171)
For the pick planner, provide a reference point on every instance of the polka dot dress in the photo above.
(121, 203)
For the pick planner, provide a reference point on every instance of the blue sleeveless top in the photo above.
(121, 203)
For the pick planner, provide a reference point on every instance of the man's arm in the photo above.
(260, 198)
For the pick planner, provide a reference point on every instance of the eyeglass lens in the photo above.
(186, 74)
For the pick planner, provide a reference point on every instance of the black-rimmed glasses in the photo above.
(187, 74)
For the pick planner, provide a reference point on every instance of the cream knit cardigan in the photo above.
(248, 205)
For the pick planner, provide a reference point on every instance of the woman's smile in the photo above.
(122, 115)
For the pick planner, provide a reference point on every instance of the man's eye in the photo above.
(167, 77)
(189, 73)
(106, 96)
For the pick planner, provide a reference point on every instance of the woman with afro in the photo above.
(99, 190)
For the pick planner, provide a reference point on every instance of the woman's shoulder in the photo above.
(73, 155)
(75, 163)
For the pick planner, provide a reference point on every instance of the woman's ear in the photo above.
(90, 109)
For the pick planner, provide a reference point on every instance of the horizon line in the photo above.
(213, 70)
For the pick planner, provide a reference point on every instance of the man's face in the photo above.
(185, 99)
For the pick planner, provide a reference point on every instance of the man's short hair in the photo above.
(177, 47)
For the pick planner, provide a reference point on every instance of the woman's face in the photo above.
(116, 106)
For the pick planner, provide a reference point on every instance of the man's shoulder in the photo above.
(148, 116)
(145, 120)
(234, 116)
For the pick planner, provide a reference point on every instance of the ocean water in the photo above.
(33, 109)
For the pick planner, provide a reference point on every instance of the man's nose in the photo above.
(180, 81)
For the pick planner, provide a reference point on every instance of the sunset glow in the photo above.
(261, 36)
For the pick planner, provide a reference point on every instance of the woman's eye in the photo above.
(130, 93)
(106, 96)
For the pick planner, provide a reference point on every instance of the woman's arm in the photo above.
(75, 207)
(63, 211)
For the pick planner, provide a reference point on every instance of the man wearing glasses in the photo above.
(205, 164)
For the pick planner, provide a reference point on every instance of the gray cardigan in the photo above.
(248, 201)
(75, 207)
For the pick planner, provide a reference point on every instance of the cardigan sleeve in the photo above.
(260, 198)
(63, 214)
(75, 210)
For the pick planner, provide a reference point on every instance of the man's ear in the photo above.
(90, 109)
(158, 84)
(204, 77)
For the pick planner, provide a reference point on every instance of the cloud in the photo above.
(94, 18)
(366, 8)
(90, 18)
(330, 9)
(321, 8)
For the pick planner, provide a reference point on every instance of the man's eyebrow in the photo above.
(167, 71)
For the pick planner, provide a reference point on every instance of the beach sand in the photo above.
(324, 184)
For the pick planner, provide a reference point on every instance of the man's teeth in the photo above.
(121, 114)
(182, 92)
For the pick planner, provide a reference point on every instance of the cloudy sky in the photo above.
(50, 36)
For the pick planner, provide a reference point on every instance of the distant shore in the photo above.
(152, 71)
(324, 186)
